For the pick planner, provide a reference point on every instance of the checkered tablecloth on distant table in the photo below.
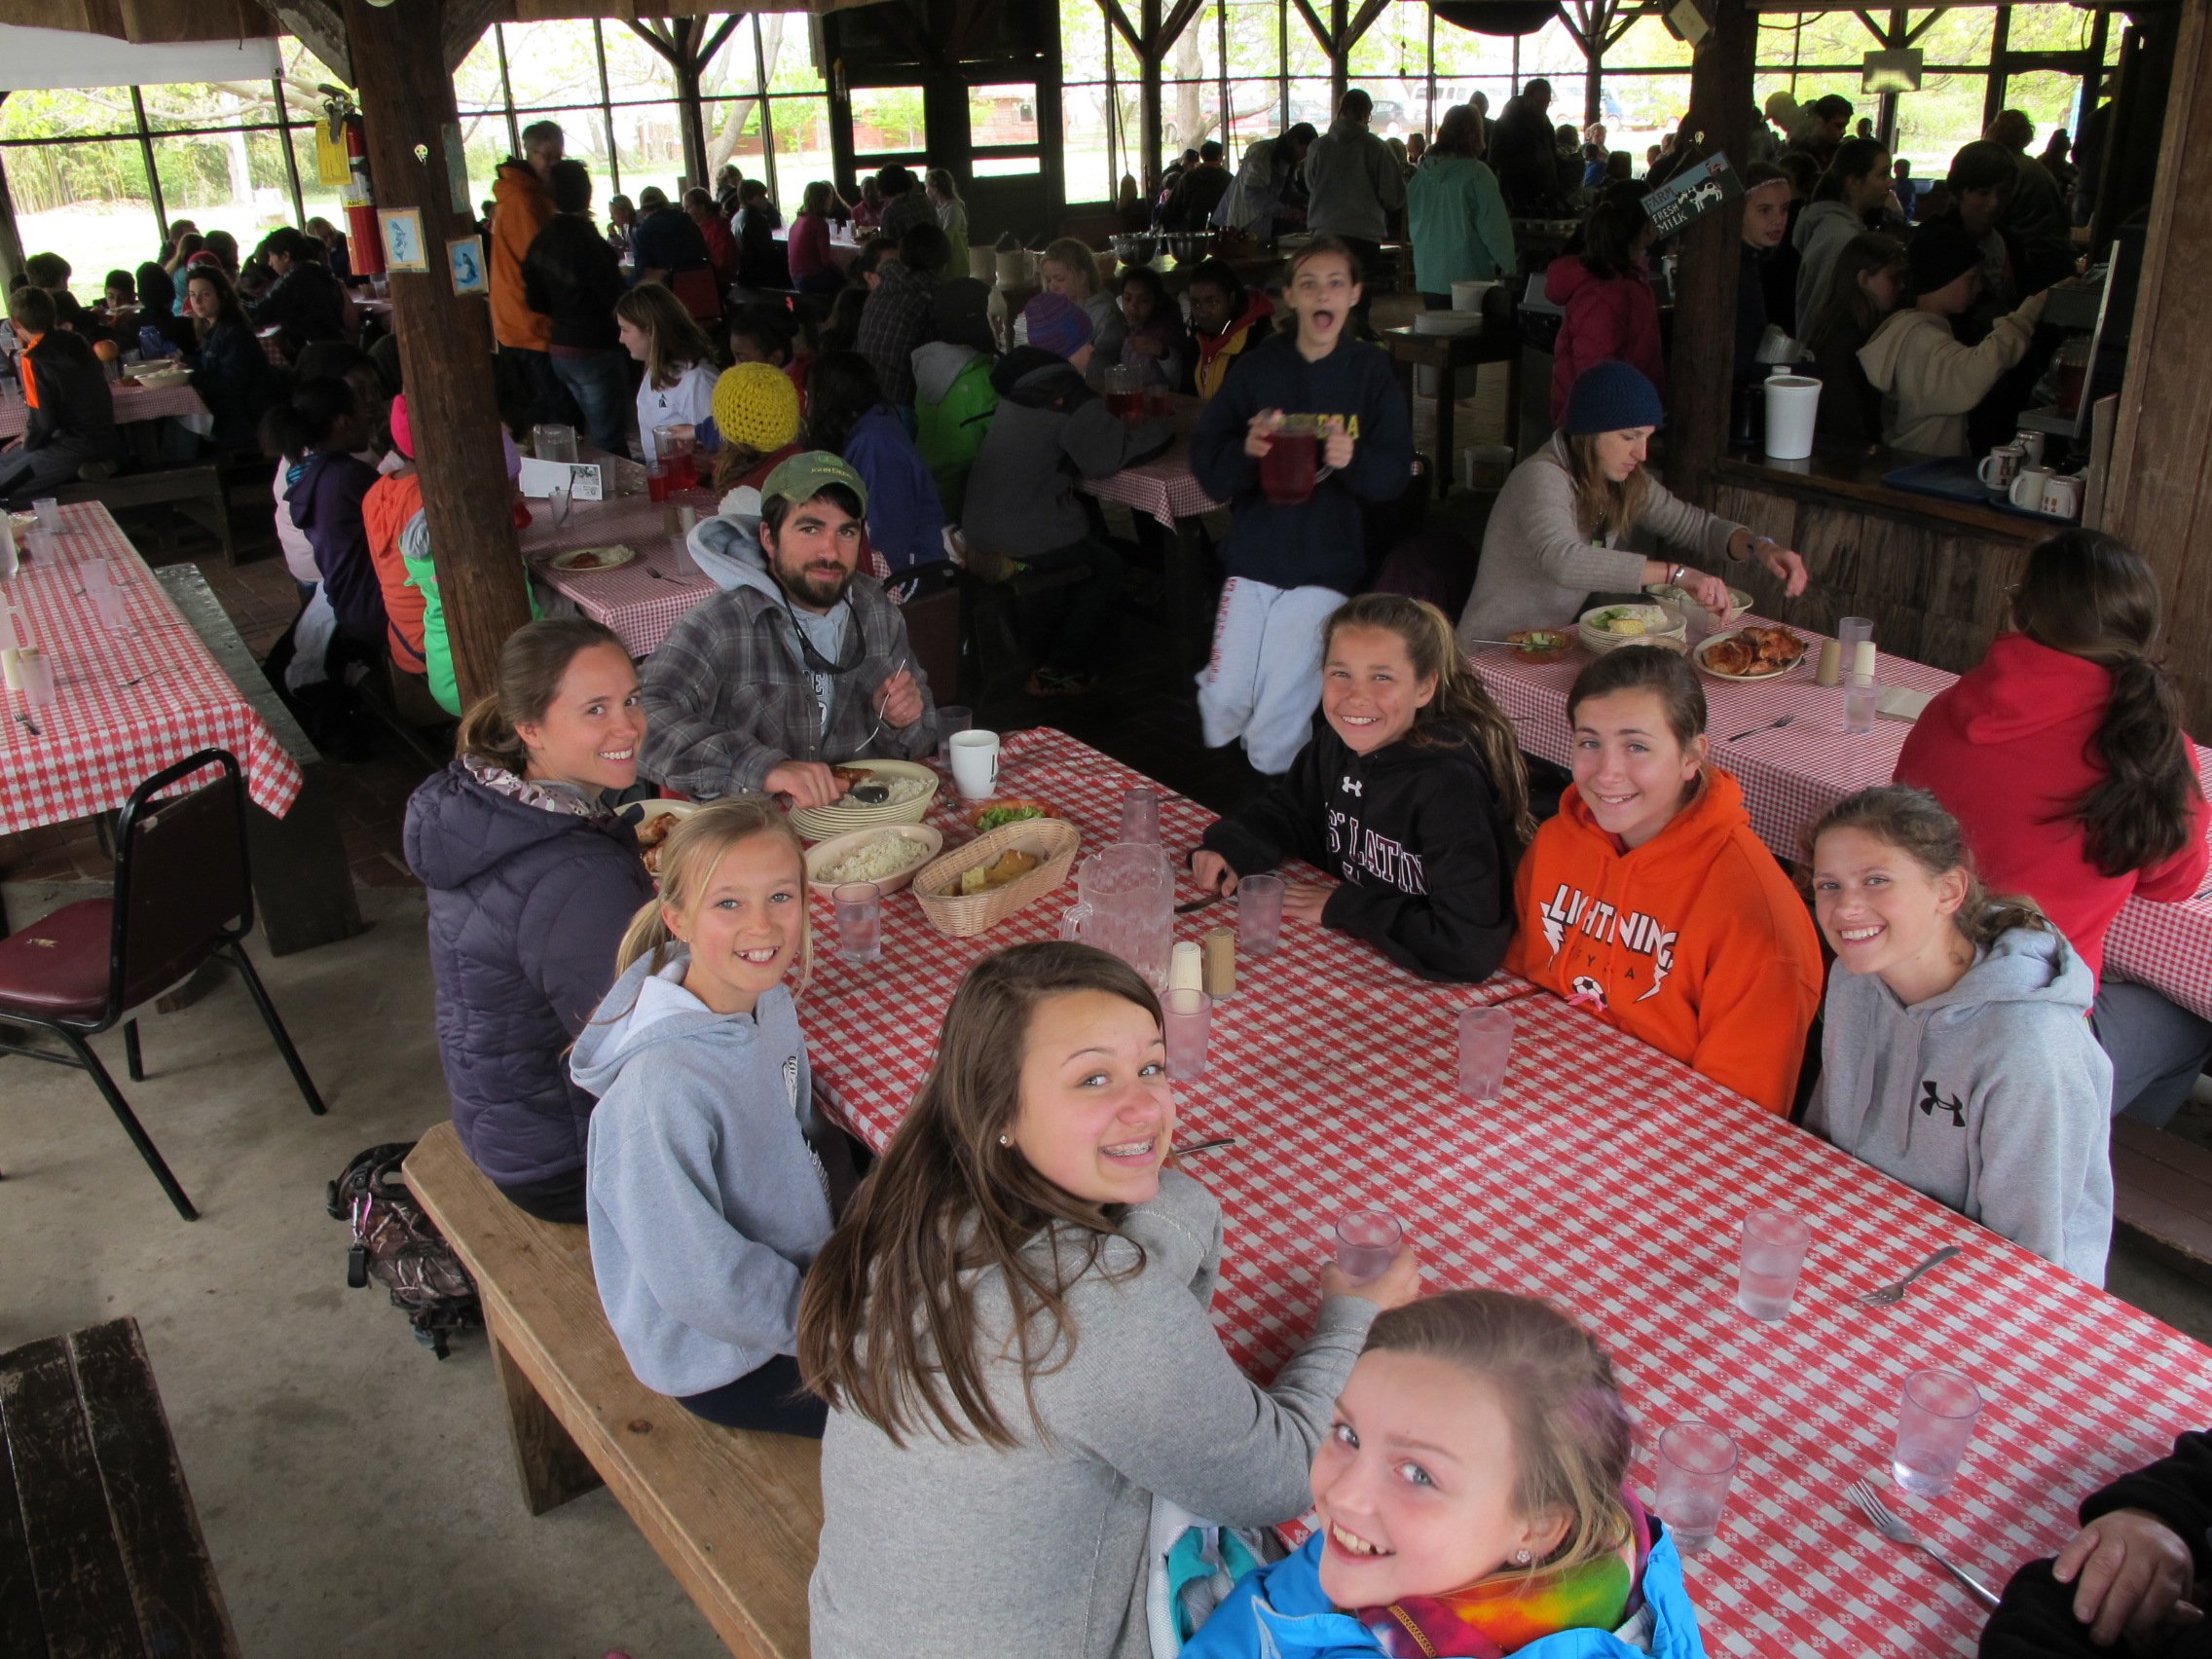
(1790, 777)
(131, 403)
(104, 735)
(640, 600)
(1612, 1179)
(1162, 489)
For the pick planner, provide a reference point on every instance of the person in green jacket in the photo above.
(1461, 232)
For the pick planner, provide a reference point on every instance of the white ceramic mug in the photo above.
(2029, 444)
(2027, 488)
(974, 763)
(2062, 496)
(2001, 466)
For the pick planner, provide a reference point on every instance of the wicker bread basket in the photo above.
(964, 915)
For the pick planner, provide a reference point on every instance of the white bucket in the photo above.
(1485, 466)
(983, 264)
(1792, 401)
(1468, 296)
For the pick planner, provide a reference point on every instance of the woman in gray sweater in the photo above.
(1554, 539)
(1011, 1327)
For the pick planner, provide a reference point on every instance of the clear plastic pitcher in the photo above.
(1127, 908)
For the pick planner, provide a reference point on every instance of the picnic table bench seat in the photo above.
(195, 489)
(2162, 1192)
(101, 1549)
(734, 1515)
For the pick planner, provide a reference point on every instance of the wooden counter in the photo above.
(1935, 574)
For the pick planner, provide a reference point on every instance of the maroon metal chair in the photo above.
(182, 898)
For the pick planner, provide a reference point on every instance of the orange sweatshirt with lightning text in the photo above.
(1695, 942)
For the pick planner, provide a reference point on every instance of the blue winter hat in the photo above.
(1055, 323)
(1612, 397)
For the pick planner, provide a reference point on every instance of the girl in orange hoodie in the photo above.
(1649, 900)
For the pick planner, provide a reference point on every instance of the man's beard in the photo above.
(807, 587)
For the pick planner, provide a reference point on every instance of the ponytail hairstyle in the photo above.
(531, 666)
(1845, 311)
(1914, 822)
(888, 1327)
(1571, 1433)
(1854, 158)
(1461, 707)
(2092, 595)
(308, 422)
(693, 851)
(673, 341)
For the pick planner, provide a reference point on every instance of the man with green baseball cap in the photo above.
(800, 664)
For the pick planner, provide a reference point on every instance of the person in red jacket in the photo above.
(1650, 901)
(1612, 315)
(2062, 755)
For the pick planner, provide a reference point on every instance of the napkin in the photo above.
(1902, 703)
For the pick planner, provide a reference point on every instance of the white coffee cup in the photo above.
(2027, 488)
(2062, 496)
(974, 763)
(2002, 464)
(2029, 444)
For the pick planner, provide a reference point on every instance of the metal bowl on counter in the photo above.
(1191, 246)
(1136, 249)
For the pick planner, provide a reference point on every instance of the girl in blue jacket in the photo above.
(1471, 1504)
(710, 1179)
(1292, 562)
(846, 415)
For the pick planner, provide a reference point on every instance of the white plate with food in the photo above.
(584, 561)
(1680, 598)
(659, 817)
(890, 857)
(1762, 652)
(878, 794)
(1611, 626)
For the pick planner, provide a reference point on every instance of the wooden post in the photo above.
(2158, 497)
(1148, 117)
(1701, 378)
(11, 238)
(445, 337)
(685, 32)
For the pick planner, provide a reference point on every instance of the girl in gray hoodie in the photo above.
(1957, 1054)
(709, 1184)
(1012, 1328)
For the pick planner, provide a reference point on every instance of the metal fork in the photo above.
(1889, 1295)
(1879, 1517)
(1771, 725)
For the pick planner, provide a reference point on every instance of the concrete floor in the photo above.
(357, 1493)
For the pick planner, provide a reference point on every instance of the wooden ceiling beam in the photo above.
(320, 24)
(465, 25)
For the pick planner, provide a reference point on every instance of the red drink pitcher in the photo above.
(1286, 471)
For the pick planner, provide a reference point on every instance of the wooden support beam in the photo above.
(11, 238)
(1701, 377)
(2159, 497)
(1150, 123)
(322, 24)
(445, 337)
(465, 23)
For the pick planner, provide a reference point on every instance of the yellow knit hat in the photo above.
(757, 405)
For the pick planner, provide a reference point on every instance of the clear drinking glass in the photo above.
(1697, 1464)
(1859, 686)
(1259, 914)
(551, 441)
(1486, 1049)
(1186, 1024)
(1140, 816)
(49, 510)
(1773, 1245)
(36, 670)
(1936, 1418)
(859, 920)
(1367, 1243)
(951, 718)
(557, 501)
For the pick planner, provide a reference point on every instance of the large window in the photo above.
(224, 155)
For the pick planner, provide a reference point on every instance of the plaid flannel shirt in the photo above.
(895, 320)
(729, 698)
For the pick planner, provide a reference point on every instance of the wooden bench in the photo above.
(734, 1515)
(303, 887)
(100, 1551)
(196, 491)
(2162, 1194)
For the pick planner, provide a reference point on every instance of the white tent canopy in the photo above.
(37, 60)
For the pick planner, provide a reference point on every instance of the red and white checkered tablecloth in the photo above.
(131, 403)
(1612, 1179)
(104, 735)
(639, 608)
(1162, 489)
(1790, 777)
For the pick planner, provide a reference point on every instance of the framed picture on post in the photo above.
(464, 256)
(403, 248)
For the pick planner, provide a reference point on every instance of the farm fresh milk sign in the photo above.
(1692, 194)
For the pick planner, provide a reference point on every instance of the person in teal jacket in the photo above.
(1455, 214)
(1469, 1503)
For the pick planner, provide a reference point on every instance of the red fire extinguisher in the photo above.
(365, 242)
